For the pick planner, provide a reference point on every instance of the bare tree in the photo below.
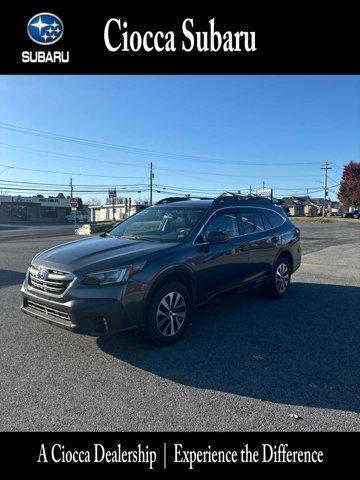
(93, 201)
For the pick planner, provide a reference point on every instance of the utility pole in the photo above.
(263, 184)
(151, 183)
(71, 196)
(112, 194)
(325, 167)
(250, 190)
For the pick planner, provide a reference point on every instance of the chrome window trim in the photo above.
(237, 209)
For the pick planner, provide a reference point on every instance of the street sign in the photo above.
(74, 203)
(112, 192)
(264, 192)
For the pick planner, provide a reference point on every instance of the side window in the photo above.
(252, 222)
(275, 219)
(223, 222)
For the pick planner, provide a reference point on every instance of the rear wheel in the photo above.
(169, 313)
(278, 283)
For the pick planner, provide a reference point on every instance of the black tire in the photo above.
(278, 283)
(164, 328)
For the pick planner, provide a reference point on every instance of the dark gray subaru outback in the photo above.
(157, 266)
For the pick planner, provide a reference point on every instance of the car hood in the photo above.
(97, 253)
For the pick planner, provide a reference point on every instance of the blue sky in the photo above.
(218, 132)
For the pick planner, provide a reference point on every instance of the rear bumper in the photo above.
(91, 316)
(296, 254)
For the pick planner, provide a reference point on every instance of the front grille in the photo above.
(47, 311)
(53, 282)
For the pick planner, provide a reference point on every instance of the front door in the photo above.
(219, 266)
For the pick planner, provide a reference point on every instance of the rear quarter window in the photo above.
(274, 218)
(252, 221)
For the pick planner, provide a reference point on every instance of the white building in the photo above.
(105, 213)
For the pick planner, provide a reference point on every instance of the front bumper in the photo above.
(92, 316)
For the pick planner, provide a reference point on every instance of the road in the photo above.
(246, 363)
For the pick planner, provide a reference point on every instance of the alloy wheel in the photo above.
(171, 314)
(282, 277)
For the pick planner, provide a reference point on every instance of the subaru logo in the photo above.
(45, 28)
(43, 274)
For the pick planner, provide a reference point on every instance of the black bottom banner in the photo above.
(169, 452)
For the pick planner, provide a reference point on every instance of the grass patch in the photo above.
(311, 219)
(322, 220)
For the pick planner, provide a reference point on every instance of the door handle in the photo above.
(241, 247)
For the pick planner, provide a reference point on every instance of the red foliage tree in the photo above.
(349, 191)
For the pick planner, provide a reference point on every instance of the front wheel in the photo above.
(279, 280)
(169, 313)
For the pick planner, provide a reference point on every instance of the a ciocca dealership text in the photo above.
(119, 37)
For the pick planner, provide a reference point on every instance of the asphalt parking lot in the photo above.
(247, 362)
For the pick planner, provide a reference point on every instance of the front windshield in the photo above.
(163, 224)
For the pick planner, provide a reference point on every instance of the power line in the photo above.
(183, 172)
(103, 187)
(181, 192)
(133, 150)
(171, 187)
(77, 190)
(180, 171)
(218, 174)
(63, 173)
(68, 155)
(65, 185)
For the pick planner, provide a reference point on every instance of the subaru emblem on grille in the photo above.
(43, 274)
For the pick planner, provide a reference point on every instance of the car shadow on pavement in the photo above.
(301, 350)
(11, 277)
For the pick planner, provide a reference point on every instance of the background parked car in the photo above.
(81, 217)
(353, 214)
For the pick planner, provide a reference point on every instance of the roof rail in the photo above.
(238, 197)
(171, 200)
(229, 197)
(180, 199)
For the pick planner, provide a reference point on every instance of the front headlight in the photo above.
(107, 277)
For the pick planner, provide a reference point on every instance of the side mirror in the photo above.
(216, 236)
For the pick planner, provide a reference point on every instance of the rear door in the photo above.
(259, 240)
